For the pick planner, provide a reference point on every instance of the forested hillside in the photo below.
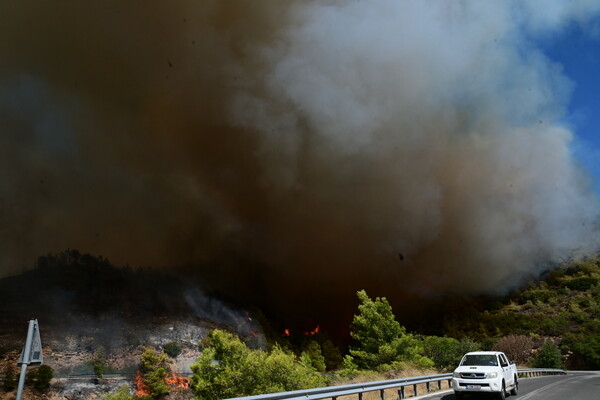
(564, 307)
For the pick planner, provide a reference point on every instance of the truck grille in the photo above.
(472, 375)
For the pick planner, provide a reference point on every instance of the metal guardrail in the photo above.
(540, 371)
(333, 392)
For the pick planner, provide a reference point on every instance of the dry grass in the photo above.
(390, 394)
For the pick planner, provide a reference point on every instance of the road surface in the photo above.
(574, 386)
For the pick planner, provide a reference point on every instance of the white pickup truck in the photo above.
(485, 371)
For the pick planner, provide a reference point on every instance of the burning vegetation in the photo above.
(156, 378)
(313, 332)
(173, 380)
(177, 381)
(141, 388)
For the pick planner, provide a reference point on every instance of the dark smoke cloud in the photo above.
(297, 151)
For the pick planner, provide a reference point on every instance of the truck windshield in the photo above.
(480, 359)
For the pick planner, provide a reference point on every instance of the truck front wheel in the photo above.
(459, 395)
(502, 394)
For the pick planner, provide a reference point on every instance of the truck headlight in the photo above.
(456, 374)
(491, 375)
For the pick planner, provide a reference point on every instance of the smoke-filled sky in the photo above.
(307, 149)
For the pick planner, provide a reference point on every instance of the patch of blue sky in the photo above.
(577, 49)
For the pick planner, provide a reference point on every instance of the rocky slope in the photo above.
(87, 309)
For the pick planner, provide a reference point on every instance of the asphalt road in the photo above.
(574, 386)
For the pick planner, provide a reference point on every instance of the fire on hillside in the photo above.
(174, 380)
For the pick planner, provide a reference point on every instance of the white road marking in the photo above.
(544, 388)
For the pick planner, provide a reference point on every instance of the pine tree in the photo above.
(315, 356)
(381, 341)
(154, 368)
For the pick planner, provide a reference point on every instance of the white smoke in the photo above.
(440, 122)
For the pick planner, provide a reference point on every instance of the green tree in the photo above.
(122, 393)
(315, 357)
(332, 355)
(589, 348)
(228, 368)
(381, 341)
(548, 356)
(43, 377)
(154, 367)
(99, 362)
(10, 379)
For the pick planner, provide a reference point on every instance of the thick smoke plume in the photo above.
(294, 151)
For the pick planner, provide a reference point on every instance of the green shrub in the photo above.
(589, 348)
(536, 296)
(228, 368)
(173, 349)
(10, 379)
(552, 325)
(582, 284)
(42, 378)
(122, 393)
(466, 345)
(548, 356)
(444, 351)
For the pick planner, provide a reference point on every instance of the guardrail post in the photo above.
(427, 386)
(401, 392)
(360, 395)
(415, 390)
(382, 394)
(439, 385)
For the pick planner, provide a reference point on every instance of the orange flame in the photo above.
(313, 332)
(286, 332)
(177, 381)
(174, 380)
(140, 387)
